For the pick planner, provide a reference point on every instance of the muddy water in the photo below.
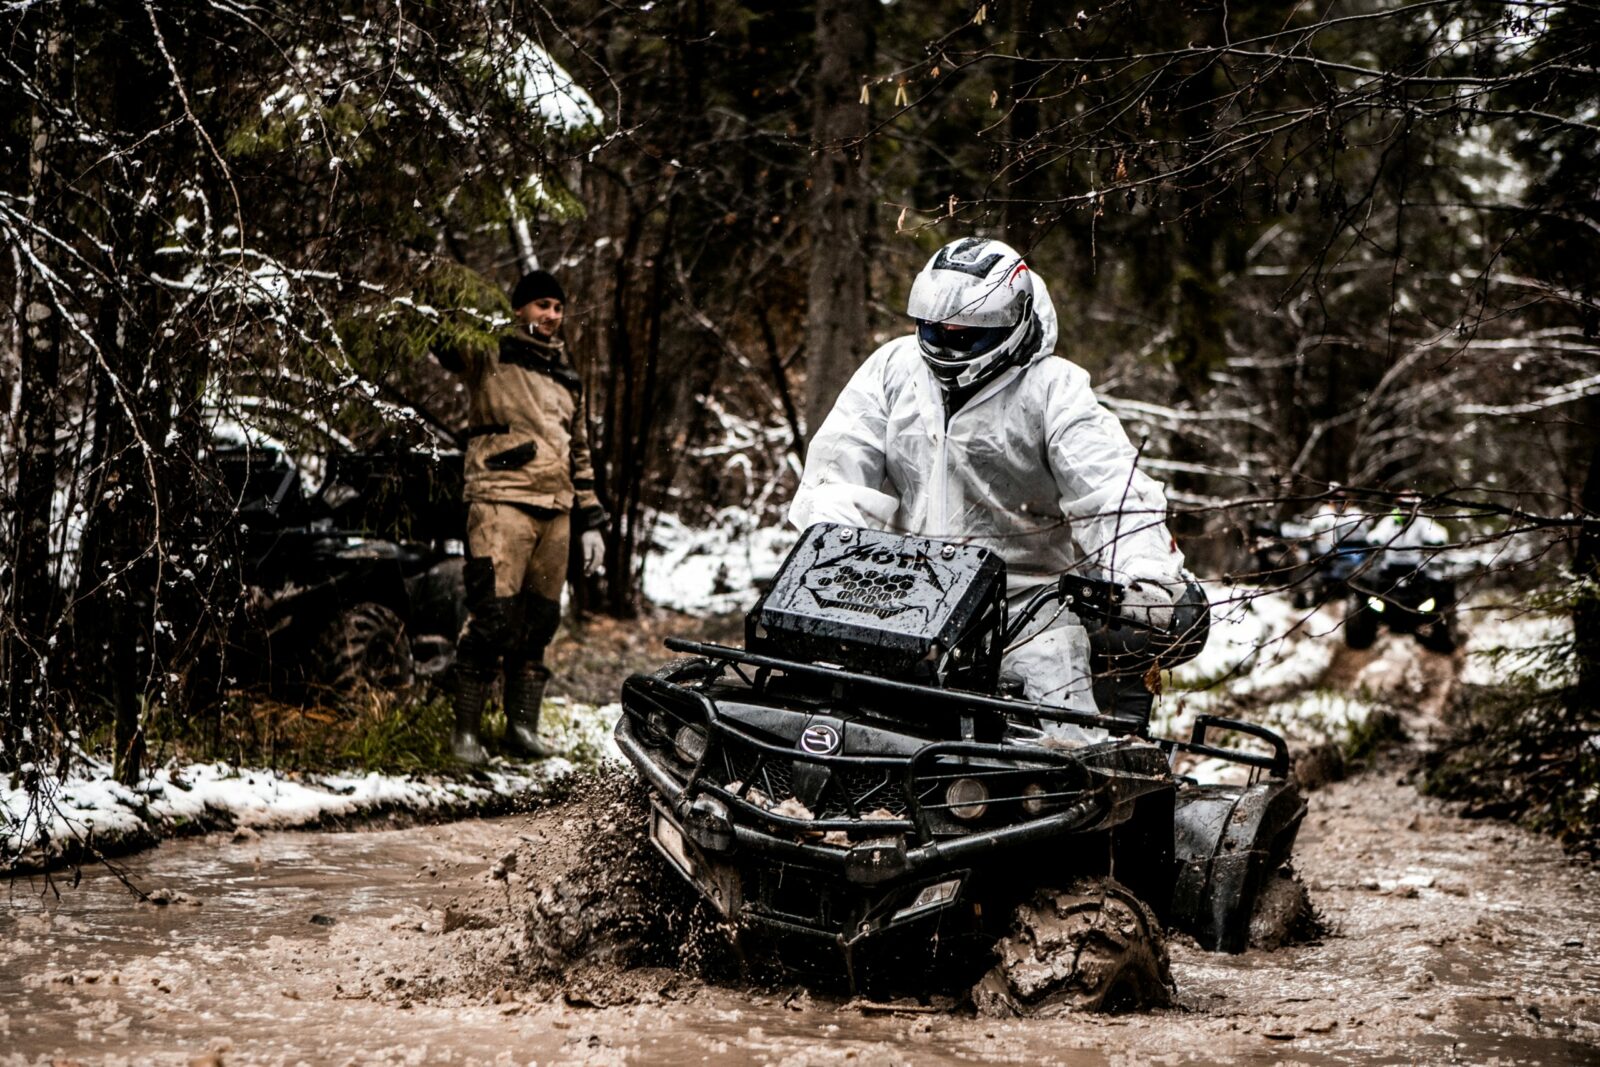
(1451, 942)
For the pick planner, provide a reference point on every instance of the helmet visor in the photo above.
(967, 340)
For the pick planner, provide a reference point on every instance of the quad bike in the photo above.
(857, 795)
(1278, 555)
(1406, 599)
(1328, 574)
(356, 584)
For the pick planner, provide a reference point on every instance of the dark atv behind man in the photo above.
(355, 584)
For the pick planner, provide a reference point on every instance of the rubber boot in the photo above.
(470, 691)
(524, 700)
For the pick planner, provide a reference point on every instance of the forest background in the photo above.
(1296, 245)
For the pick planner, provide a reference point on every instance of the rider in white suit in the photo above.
(973, 429)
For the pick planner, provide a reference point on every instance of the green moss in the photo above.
(1366, 737)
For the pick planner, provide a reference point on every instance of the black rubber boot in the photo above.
(469, 691)
(524, 700)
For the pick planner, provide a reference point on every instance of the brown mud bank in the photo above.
(553, 938)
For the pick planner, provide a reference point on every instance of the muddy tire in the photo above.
(1283, 914)
(1093, 947)
(1440, 635)
(365, 645)
(1360, 624)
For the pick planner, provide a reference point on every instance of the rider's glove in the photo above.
(1149, 602)
(594, 552)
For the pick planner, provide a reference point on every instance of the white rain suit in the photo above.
(1330, 528)
(1031, 467)
(1406, 540)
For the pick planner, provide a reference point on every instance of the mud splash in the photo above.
(1451, 941)
(556, 936)
(580, 908)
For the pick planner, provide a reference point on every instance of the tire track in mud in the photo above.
(1448, 940)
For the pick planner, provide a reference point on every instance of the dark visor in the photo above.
(974, 340)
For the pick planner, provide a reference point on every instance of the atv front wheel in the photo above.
(1093, 947)
(365, 644)
(1439, 635)
(1283, 913)
(1360, 624)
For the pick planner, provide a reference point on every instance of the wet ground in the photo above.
(1450, 941)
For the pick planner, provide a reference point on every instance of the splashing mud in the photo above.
(580, 906)
(557, 937)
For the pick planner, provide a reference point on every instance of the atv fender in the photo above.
(1228, 841)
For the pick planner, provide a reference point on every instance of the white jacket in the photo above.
(1330, 528)
(1406, 540)
(1032, 467)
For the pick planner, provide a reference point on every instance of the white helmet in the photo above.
(974, 306)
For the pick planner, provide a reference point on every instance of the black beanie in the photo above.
(535, 285)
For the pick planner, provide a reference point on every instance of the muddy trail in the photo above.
(554, 937)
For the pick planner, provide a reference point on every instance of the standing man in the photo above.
(1337, 540)
(972, 429)
(529, 490)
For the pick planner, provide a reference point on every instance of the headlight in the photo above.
(1427, 605)
(1033, 795)
(1375, 604)
(689, 743)
(933, 896)
(967, 797)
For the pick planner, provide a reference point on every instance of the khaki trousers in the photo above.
(516, 566)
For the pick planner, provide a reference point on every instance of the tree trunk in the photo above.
(836, 311)
(29, 605)
(1586, 567)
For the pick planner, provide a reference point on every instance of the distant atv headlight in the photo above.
(1375, 604)
(689, 743)
(968, 798)
(1428, 605)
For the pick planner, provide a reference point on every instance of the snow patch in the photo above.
(712, 571)
(1259, 641)
(545, 86)
(1509, 639)
(91, 807)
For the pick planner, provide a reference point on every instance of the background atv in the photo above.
(1406, 599)
(849, 792)
(359, 583)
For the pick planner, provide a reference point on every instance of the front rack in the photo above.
(1017, 710)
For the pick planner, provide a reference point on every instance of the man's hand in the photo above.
(1149, 602)
(594, 553)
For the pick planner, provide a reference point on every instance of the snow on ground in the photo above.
(1262, 663)
(1258, 642)
(91, 805)
(716, 570)
(1510, 638)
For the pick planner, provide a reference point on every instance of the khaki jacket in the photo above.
(527, 432)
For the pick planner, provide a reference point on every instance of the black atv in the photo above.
(856, 796)
(1418, 600)
(358, 583)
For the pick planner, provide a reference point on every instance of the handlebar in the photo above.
(1092, 598)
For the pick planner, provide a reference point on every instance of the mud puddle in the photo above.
(518, 941)
(1453, 942)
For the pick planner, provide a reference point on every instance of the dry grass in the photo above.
(589, 660)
